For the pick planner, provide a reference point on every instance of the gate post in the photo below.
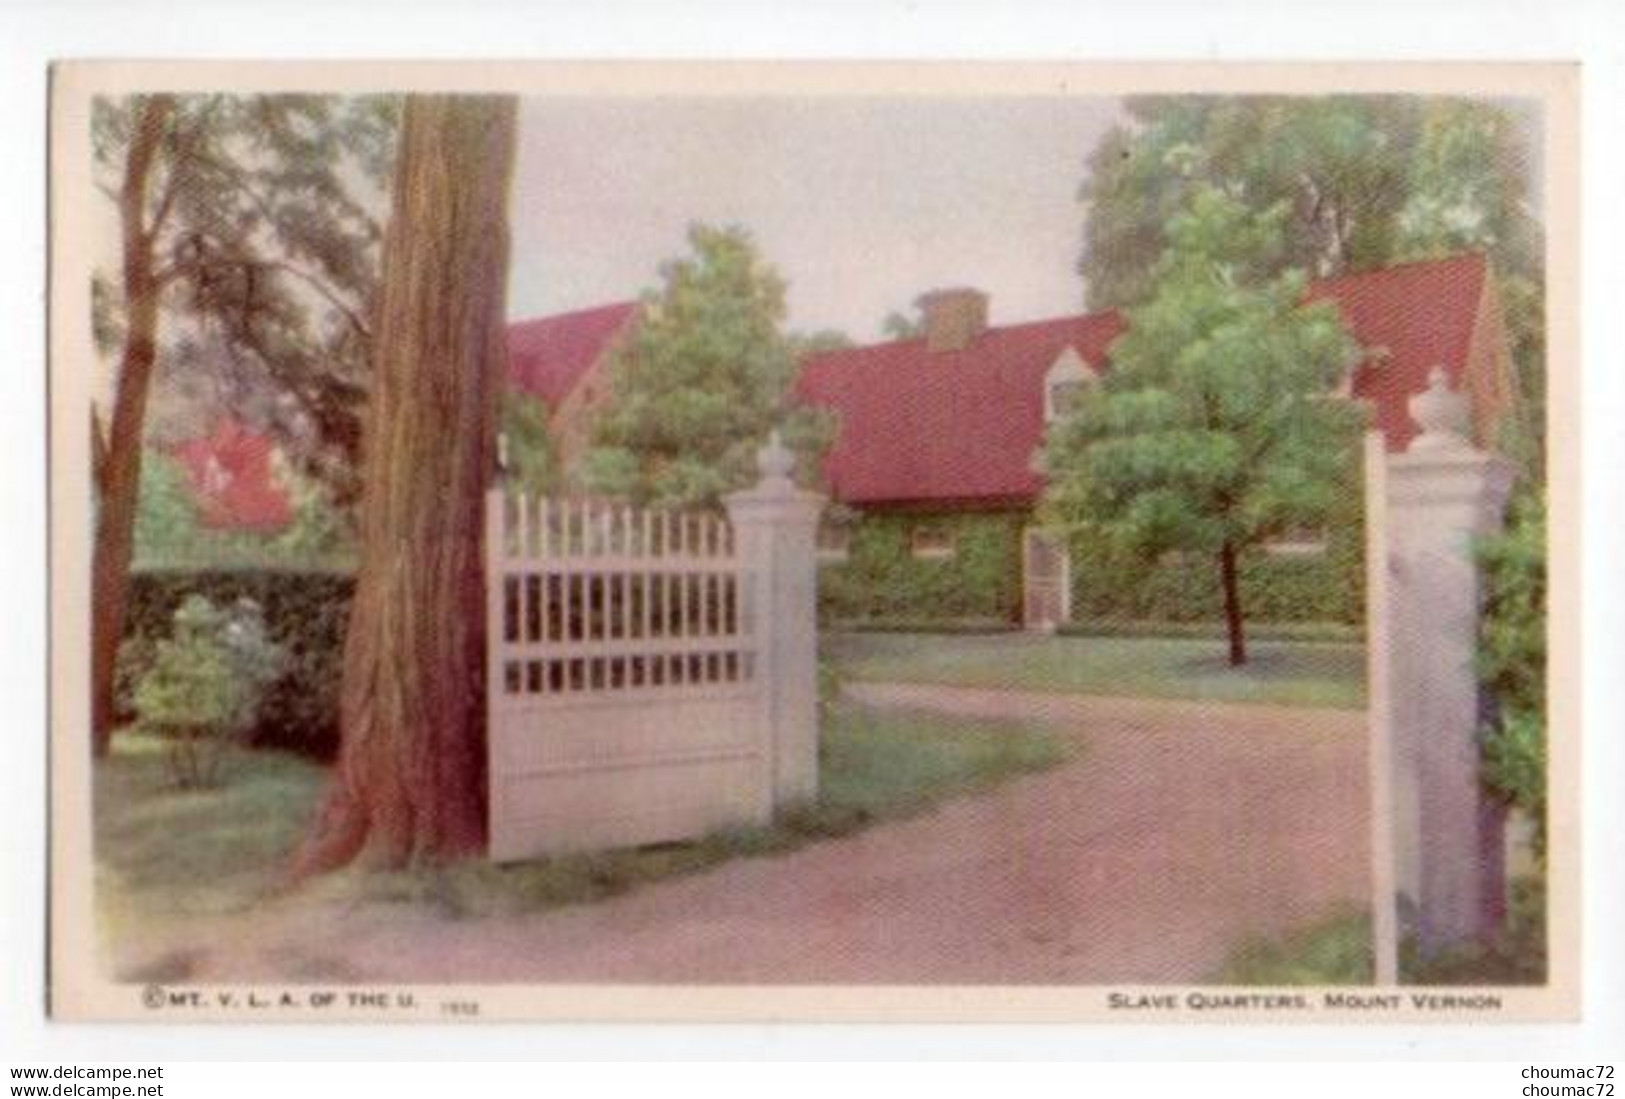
(776, 526)
(1442, 494)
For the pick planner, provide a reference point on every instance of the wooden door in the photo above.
(1046, 580)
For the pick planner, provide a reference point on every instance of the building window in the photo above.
(833, 542)
(931, 542)
(1298, 542)
(1065, 383)
(1063, 398)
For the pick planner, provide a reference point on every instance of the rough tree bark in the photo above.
(117, 470)
(1234, 623)
(410, 782)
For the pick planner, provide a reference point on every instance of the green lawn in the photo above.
(1338, 952)
(1299, 673)
(163, 852)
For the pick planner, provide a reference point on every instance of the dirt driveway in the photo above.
(1177, 831)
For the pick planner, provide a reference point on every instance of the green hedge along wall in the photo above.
(305, 613)
(1323, 587)
(882, 579)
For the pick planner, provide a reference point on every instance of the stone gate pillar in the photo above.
(1448, 837)
(776, 527)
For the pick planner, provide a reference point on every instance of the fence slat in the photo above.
(610, 598)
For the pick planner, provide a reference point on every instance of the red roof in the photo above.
(233, 481)
(962, 426)
(920, 425)
(1411, 318)
(548, 356)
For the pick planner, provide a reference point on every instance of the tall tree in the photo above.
(1211, 432)
(702, 379)
(117, 453)
(1339, 164)
(247, 217)
(410, 781)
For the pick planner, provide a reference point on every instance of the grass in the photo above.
(1214, 631)
(1297, 673)
(1338, 952)
(163, 852)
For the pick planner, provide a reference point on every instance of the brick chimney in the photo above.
(953, 317)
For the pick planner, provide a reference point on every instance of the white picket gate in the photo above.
(636, 689)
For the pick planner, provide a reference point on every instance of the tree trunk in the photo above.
(1233, 622)
(118, 468)
(410, 782)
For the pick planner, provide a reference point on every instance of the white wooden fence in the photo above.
(637, 668)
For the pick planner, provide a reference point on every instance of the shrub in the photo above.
(1512, 661)
(305, 615)
(205, 683)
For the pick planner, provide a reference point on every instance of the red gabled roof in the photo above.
(1410, 318)
(232, 479)
(919, 425)
(962, 426)
(549, 355)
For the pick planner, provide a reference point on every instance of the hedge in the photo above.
(882, 579)
(306, 614)
(1324, 587)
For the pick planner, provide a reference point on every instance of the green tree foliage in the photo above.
(1512, 657)
(264, 222)
(1366, 180)
(701, 380)
(169, 531)
(205, 682)
(322, 534)
(1211, 433)
(531, 463)
(813, 343)
(167, 524)
(1467, 187)
(898, 325)
(1337, 164)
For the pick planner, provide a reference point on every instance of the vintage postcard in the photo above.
(814, 541)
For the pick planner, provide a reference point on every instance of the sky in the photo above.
(862, 204)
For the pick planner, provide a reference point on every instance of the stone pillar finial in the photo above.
(1441, 413)
(775, 462)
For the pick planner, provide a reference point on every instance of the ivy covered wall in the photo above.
(883, 581)
(882, 578)
(1323, 587)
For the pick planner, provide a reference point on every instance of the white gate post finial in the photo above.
(1441, 413)
(775, 463)
(775, 526)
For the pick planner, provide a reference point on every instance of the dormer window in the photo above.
(1068, 378)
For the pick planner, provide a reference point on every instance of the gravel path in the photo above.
(1176, 832)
